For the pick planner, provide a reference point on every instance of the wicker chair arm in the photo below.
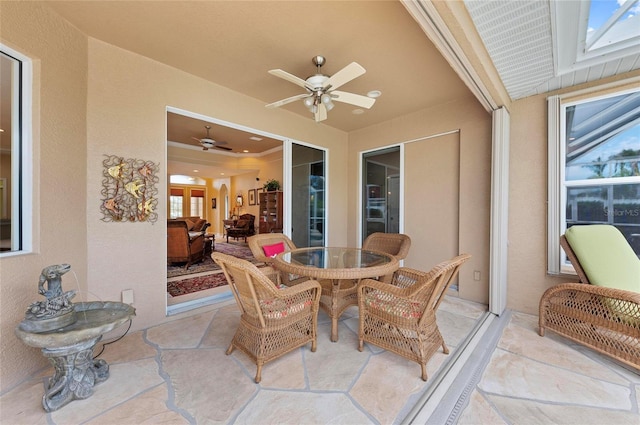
(406, 276)
(305, 286)
(618, 294)
(410, 273)
(389, 288)
(271, 273)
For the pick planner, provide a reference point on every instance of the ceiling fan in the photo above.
(208, 143)
(321, 89)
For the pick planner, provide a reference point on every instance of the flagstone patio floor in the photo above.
(178, 373)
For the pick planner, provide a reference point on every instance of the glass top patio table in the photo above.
(338, 270)
(336, 263)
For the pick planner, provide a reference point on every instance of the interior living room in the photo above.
(216, 182)
(458, 110)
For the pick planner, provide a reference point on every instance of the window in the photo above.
(197, 203)
(15, 152)
(176, 200)
(597, 160)
(186, 201)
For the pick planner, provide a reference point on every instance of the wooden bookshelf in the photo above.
(271, 212)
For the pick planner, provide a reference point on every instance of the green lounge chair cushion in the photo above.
(605, 256)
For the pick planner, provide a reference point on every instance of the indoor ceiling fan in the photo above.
(321, 89)
(208, 143)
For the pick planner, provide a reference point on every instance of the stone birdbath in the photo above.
(67, 333)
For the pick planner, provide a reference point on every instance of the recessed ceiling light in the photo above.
(374, 93)
(1, 130)
(196, 171)
(245, 151)
(255, 138)
(222, 174)
(357, 111)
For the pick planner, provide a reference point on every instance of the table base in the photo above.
(337, 296)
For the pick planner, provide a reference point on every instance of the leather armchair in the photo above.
(243, 228)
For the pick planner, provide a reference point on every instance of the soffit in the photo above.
(536, 45)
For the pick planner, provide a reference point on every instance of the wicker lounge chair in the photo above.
(396, 244)
(595, 313)
(273, 321)
(401, 316)
(265, 246)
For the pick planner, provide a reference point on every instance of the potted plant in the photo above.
(272, 185)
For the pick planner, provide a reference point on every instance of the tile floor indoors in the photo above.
(178, 373)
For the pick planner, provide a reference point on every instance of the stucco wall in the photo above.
(127, 98)
(474, 126)
(527, 251)
(59, 123)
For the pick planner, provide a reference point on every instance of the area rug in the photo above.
(195, 284)
(239, 250)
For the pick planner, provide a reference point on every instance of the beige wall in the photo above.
(527, 253)
(60, 149)
(474, 126)
(128, 95)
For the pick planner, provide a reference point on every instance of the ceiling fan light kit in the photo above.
(321, 89)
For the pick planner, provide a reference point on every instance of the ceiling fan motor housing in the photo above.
(316, 82)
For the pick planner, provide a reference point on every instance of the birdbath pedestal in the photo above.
(70, 350)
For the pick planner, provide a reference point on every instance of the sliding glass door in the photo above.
(308, 217)
(381, 190)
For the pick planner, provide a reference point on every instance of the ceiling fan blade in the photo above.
(354, 99)
(289, 77)
(321, 113)
(196, 139)
(225, 148)
(287, 100)
(346, 74)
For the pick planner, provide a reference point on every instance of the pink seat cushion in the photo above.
(273, 250)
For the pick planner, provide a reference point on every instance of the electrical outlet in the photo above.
(476, 275)
(127, 296)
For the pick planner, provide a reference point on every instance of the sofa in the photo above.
(186, 240)
(243, 228)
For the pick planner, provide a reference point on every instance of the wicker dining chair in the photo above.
(265, 246)
(273, 321)
(601, 312)
(401, 316)
(396, 244)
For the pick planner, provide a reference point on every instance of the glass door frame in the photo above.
(362, 196)
(287, 177)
